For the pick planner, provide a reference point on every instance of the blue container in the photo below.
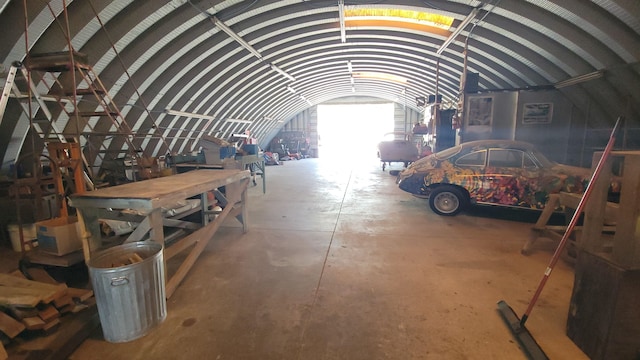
(250, 149)
(227, 152)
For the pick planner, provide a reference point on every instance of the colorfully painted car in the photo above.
(496, 172)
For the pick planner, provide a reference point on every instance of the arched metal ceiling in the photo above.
(179, 56)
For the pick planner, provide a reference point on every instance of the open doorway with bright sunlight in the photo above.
(353, 131)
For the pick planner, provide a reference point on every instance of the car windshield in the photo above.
(447, 153)
(546, 163)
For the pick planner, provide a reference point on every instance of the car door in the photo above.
(509, 176)
(469, 174)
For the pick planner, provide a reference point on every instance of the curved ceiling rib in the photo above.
(234, 59)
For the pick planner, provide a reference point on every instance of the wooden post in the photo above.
(595, 208)
(626, 242)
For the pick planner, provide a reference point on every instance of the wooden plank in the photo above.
(21, 297)
(63, 301)
(51, 325)
(34, 323)
(52, 291)
(3, 352)
(48, 313)
(10, 326)
(20, 313)
(594, 210)
(80, 294)
(548, 210)
(158, 192)
(41, 275)
(204, 235)
(626, 242)
(74, 329)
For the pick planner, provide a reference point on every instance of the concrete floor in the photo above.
(341, 264)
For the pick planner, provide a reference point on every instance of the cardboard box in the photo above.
(59, 236)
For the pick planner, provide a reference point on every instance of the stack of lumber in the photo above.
(36, 305)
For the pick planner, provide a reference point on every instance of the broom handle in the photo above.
(572, 223)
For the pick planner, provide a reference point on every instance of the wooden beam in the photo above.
(10, 326)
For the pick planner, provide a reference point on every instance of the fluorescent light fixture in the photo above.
(458, 30)
(380, 76)
(352, 80)
(349, 66)
(282, 72)
(353, 89)
(188, 114)
(240, 135)
(222, 26)
(343, 32)
(580, 79)
(291, 89)
(241, 121)
(302, 97)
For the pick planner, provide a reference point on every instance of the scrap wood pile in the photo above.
(35, 306)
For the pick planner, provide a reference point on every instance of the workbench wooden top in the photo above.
(162, 191)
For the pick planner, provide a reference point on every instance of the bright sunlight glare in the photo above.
(352, 132)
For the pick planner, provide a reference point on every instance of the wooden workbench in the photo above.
(254, 163)
(150, 196)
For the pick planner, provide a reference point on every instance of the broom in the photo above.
(517, 325)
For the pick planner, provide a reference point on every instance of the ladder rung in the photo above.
(87, 92)
(97, 113)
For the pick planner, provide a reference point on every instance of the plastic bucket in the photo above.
(28, 232)
(131, 298)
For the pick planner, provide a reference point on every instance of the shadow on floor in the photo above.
(521, 215)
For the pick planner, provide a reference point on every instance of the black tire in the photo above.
(447, 201)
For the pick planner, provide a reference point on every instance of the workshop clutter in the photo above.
(36, 307)
(216, 150)
(29, 236)
(59, 236)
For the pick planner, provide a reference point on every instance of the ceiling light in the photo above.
(241, 121)
(458, 30)
(580, 79)
(282, 72)
(380, 76)
(222, 26)
(349, 66)
(291, 89)
(188, 114)
(352, 80)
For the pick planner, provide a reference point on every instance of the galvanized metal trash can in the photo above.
(131, 298)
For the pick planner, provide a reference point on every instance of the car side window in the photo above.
(476, 158)
(506, 158)
(528, 162)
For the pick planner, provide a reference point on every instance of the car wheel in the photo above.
(447, 200)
